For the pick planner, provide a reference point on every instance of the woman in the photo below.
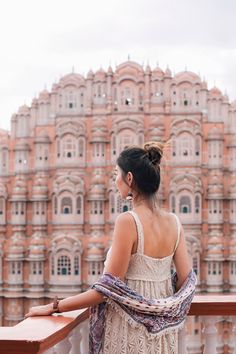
(145, 242)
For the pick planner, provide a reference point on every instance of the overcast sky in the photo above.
(42, 40)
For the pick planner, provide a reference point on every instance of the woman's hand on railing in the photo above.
(44, 310)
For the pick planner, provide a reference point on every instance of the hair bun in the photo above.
(154, 151)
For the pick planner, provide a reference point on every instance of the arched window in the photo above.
(70, 100)
(185, 204)
(233, 267)
(126, 138)
(2, 206)
(55, 205)
(173, 203)
(196, 265)
(96, 207)
(76, 265)
(173, 147)
(52, 264)
(185, 145)
(113, 144)
(112, 203)
(197, 204)
(36, 268)
(68, 147)
(197, 145)
(233, 211)
(4, 160)
(140, 96)
(123, 205)
(66, 205)
(58, 148)
(115, 95)
(79, 205)
(81, 147)
(125, 208)
(63, 265)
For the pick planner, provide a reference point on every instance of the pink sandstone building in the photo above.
(58, 200)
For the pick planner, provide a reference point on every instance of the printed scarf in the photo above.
(157, 315)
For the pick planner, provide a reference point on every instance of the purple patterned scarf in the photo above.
(157, 315)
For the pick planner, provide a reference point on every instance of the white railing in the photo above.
(68, 333)
(58, 334)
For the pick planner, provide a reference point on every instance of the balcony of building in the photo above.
(68, 333)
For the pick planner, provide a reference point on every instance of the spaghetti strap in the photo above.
(140, 248)
(178, 231)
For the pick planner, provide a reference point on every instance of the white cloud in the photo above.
(40, 41)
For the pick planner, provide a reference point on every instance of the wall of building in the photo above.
(58, 201)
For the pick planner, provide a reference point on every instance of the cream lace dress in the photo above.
(150, 277)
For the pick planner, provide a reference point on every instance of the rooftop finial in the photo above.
(128, 57)
(73, 69)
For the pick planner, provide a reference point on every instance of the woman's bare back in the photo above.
(160, 232)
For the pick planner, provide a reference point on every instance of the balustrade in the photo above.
(68, 333)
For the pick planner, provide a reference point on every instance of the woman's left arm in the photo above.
(116, 264)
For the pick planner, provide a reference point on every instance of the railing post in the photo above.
(63, 347)
(232, 344)
(84, 327)
(75, 339)
(182, 346)
(210, 332)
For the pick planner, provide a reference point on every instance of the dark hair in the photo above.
(144, 164)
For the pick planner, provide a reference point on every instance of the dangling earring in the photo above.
(129, 195)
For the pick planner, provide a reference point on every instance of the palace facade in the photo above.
(58, 200)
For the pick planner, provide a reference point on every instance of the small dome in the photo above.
(44, 95)
(215, 92)
(23, 110)
(158, 72)
(187, 76)
(100, 74)
(72, 79)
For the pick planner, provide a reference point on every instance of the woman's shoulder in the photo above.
(125, 220)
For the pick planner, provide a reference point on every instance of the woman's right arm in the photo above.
(182, 260)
